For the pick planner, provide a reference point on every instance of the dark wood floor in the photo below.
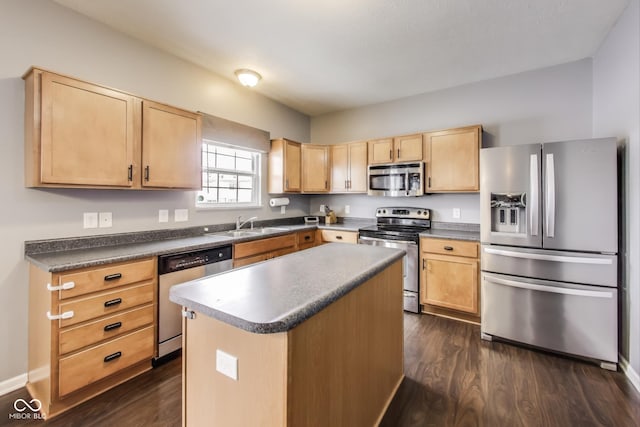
(452, 379)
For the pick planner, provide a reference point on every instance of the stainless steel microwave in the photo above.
(396, 179)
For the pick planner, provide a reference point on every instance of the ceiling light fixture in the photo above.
(248, 77)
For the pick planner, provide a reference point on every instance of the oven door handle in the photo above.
(374, 239)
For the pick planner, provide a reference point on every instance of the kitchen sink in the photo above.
(253, 231)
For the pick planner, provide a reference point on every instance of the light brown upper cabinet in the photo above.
(452, 159)
(349, 168)
(79, 134)
(284, 173)
(399, 149)
(315, 168)
(171, 147)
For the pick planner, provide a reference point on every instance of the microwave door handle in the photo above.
(534, 198)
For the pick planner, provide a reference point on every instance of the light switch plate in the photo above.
(181, 215)
(347, 209)
(105, 220)
(90, 220)
(163, 215)
(227, 364)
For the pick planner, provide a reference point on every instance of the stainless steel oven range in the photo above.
(398, 227)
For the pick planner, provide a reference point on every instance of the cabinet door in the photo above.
(87, 133)
(292, 162)
(450, 282)
(408, 148)
(171, 147)
(358, 167)
(315, 168)
(381, 151)
(453, 160)
(339, 168)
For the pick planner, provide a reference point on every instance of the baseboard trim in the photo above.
(632, 375)
(12, 384)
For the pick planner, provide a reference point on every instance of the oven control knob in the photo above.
(384, 211)
(419, 212)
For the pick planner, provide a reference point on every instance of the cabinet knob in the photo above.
(448, 248)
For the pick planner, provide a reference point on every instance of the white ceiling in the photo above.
(327, 55)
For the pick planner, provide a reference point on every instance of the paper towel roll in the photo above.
(280, 201)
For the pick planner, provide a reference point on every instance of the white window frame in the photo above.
(256, 174)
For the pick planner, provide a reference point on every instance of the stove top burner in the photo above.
(398, 223)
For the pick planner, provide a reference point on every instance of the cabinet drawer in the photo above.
(99, 279)
(106, 303)
(339, 236)
(306, 239)
(72, 339)
(256, 247)
(99, 362)
(449, 247)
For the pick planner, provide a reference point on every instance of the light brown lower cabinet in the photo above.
(90, 329)
(246, 253)
(449, 279)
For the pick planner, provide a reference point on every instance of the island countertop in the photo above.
(277, 295)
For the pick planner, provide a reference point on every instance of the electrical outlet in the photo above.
(347, 209)
(322, 208)
(90, 220)
(227, 364)
(163, 215)
(456, 213)
(181, 215)
(105, 220)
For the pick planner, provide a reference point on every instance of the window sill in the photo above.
(204, 207)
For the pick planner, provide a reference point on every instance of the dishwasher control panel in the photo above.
(184, 260)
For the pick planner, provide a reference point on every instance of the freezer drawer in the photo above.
(574, 267)
(573, 319)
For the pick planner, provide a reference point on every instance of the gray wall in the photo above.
(616, 111)
(550, 104)
(38, 32)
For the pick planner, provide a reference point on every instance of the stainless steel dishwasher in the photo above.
(179, 268)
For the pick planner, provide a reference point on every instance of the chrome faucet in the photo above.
(240, 224)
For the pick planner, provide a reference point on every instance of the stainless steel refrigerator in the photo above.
(549, 234)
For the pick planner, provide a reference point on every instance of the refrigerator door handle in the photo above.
(552, 289)
(553, 258)
(534, 194)
(550, 191)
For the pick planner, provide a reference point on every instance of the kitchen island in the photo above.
(311, 338)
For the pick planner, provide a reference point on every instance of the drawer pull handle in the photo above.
(113, 302)
(448, 248)
(339, 237)
(65, 286)
(112, 326)
(307, 237)
(65, 315)
(114, 276)
(113, 356)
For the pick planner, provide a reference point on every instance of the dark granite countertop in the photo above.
(453, 231)
(87, 257)
(276, 295)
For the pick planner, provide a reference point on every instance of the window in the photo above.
(230, 176)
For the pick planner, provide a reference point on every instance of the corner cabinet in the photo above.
(284, 167)
(453, 160)
(449, 280)
(349, 168)
(78, 134)
(90, 329)
(315, 168)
